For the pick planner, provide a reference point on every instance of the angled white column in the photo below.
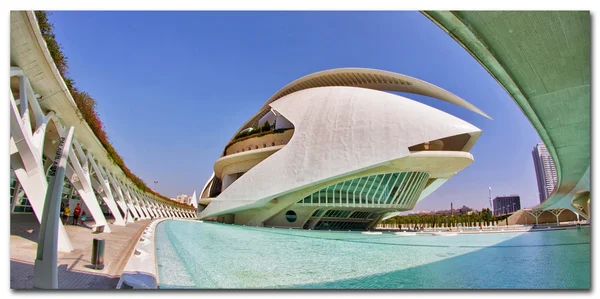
(133, 202)
(153, 206)
(79, 177)
(26, 147)
(105, 191)
(88, 197)
(141, 204)
(137, 212)
(136, 203)
(162, 210)
(147, 204)
(45, 268)
(157, 207)
(119, 220)
(119, 192)
(128, 200)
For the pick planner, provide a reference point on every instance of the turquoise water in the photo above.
(221, 256)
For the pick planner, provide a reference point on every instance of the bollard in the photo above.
(98, 254)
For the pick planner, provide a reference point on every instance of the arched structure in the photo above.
(542, 59)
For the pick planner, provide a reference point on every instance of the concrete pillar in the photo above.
(45, 270)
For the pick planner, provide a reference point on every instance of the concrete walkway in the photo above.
(74, 268)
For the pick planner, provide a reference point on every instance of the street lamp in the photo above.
(155, 182)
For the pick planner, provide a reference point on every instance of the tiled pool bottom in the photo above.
(221, 256)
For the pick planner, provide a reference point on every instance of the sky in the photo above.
(173, 87)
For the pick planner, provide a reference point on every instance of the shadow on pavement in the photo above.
(21, 278)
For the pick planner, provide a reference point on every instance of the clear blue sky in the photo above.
(173, 87)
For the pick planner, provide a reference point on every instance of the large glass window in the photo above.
(391, 189)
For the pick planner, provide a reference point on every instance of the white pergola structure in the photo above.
(42, 111)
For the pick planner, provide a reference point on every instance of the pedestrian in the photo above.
(83, 218)
(76, 213)
(66, 216)
(62, 212)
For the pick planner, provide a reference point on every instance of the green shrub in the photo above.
(266, 127)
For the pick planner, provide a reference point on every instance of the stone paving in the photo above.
(74, 268)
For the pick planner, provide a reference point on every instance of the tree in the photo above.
(266, 127)
(486, 216)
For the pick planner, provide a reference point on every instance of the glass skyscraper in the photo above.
(545, 171)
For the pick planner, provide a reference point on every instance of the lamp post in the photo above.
(155, 183)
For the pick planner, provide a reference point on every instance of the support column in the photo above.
(103, 188)
(161, 209)
(135, 209)
(26, 150)
(79, 176)
(148, 206)
(45, 270)
(536, 214)
(138, 204)
(556, 213)
(121, 197)
(129, 202)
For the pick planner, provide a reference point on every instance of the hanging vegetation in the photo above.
(86, 104)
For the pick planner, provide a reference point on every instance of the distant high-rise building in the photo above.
(506, 204)
(545, 171)
(184, 199)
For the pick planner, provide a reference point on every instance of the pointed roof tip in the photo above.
(485, 115)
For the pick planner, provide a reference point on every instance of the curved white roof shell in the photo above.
(364, 78)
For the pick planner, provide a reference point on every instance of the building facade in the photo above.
(338, 153)
(545, 171)
(184, 199)
(506, 204)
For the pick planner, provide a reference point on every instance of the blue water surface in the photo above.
(221, 256)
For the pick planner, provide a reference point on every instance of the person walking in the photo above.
(66, 215)
(76, 214)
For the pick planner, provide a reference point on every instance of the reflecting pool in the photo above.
(221, 256)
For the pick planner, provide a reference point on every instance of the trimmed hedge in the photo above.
(87, 104)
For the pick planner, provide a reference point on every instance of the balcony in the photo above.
(259, 140)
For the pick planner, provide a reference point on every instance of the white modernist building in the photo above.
(338, 153)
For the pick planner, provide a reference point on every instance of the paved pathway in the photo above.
(74, 268)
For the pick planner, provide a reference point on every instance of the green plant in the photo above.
(266, 127)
